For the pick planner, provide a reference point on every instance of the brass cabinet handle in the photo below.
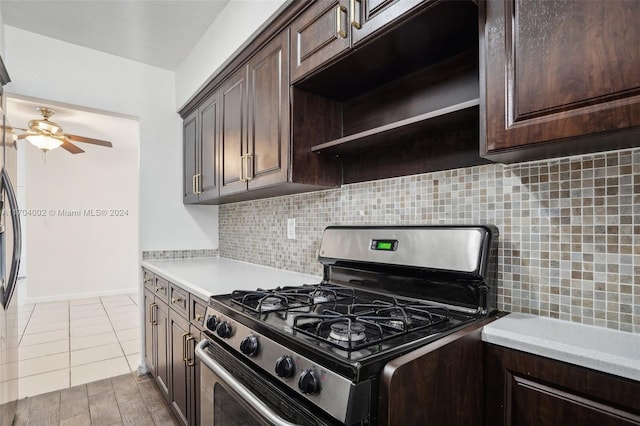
(242, 178)
(148, 280)
(355, 17)
(193, 184)
(176, 299)
(152, 319)
(184, 346)
(249, 157)
(245, 176)
(199, 317)
(199, 183)
(339, 11)
(160, 288)
(190, 362)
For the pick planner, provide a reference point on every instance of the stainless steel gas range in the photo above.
(313, 354)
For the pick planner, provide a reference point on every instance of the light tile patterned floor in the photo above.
(65, 344)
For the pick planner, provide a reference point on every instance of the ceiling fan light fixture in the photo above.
(45, 126)
(45, 143)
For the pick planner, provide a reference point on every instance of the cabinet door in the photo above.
(528, 390)
(162, 345)
(269, 114)
(233, 136)
(368, 16)
(150, 355)
(190, 158)
(557, 70)
(179, 332)
(318, 35)
(209, 135)
(194, 377)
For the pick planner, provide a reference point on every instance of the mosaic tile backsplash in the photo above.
(178, 254)
(569, 229)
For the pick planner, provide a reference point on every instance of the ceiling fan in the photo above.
(47, 135)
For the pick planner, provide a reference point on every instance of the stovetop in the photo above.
(340, 323)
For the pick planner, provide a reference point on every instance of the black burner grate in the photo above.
(283, 299)
(364, 325)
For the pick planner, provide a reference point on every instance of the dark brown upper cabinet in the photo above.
(200, 139)
(404, 98)
(268, 132)
(191, 158)
(341, 91)
(257, 155)
(559, 77)
(330, 27)
(318, 35)
(233, 136)
(255, 121)
(368, 16)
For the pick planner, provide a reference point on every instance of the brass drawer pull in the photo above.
(339, 11)
(159, 288)
(249, 158)
(190, 362)
(199, 183)
(176, 299)
(152, 319)
(184, 346)
(199, 317)
(355, 17)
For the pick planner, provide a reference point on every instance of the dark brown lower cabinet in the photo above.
(529, 390)
(179, 327)
(170, 342)
(156, 339)
(439, 384)
(184, 375)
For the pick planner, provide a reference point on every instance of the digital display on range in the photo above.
(384, 245)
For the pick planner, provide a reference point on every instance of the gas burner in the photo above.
(321, 296)
(270, 303)
(347, 331)
(399, 315)
(286, 299)
(399, 322)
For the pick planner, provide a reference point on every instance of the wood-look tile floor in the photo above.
(123, 400)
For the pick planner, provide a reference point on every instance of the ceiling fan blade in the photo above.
(70, 147)
(76, 138)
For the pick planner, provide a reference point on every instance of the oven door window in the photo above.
(228, 411)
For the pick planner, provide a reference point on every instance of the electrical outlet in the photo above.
(291, 228)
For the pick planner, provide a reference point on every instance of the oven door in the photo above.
(231, 393)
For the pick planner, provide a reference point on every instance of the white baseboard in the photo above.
(73, 296)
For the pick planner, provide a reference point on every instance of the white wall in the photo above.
(73, 250)
(235, 24)
(50, 69)
(2, 50)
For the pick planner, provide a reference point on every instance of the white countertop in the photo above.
(602, 349)
(206, 277)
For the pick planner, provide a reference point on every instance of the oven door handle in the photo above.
(244, 393)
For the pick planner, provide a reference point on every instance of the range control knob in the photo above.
(224, 330)
(309, 382)
(249, 345)
(212, 322)
(285, 367)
